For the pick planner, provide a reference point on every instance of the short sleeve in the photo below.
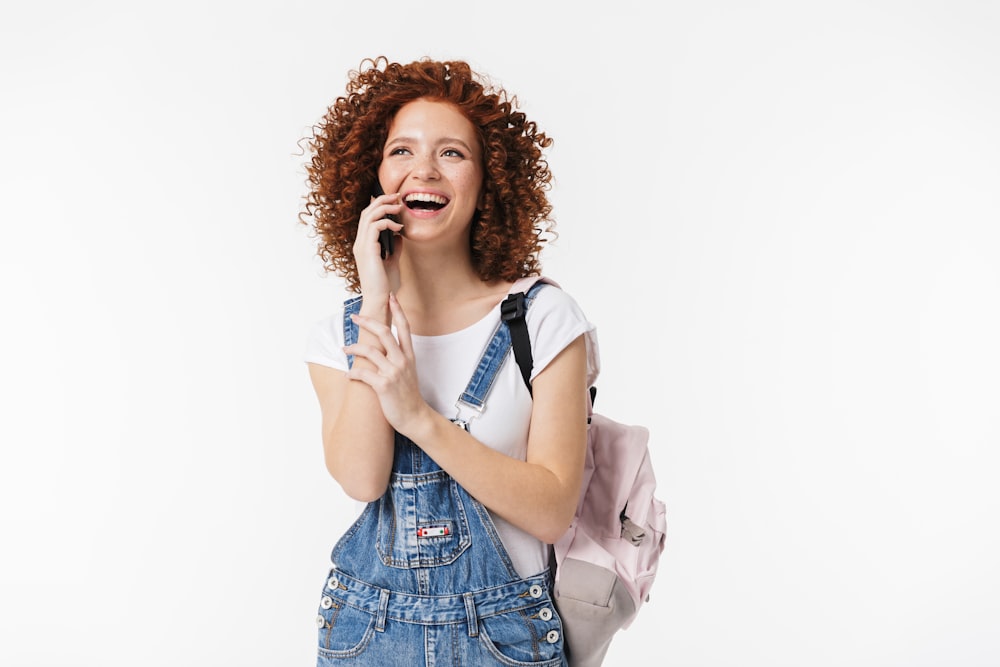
(555, 320)
(325, 343)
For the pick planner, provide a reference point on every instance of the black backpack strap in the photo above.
(512, 312)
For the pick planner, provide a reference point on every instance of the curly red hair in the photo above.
(514, 221)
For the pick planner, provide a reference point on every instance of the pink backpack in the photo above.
(606, 562)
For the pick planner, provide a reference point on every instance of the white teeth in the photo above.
(427, 197)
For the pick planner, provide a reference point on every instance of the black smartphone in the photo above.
(385, 237)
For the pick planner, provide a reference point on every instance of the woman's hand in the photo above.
(393, 372)
(378, 277)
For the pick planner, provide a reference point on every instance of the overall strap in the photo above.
(351, 307)
(510, 330)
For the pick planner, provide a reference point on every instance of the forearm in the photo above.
(538, 494)
(358, 445)
(540, 499)
(357, 439)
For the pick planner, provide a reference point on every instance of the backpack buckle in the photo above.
(512, 307)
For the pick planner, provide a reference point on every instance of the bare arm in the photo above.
(540, 494)
(357, 440)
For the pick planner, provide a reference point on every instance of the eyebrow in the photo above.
(443, 140)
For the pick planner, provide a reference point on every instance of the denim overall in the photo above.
(422, 577)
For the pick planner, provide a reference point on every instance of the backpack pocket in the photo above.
(594, 605)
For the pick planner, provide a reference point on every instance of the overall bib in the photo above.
(422, 577)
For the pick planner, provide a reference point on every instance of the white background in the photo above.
(782, 217)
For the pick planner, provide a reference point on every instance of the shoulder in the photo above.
(325, 341)
(555, 319)
(551, 298)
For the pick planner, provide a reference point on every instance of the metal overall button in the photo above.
(320, 622)
(535, 591)
(332, 583)
(545, 614)
(552, 637)
(326, 602)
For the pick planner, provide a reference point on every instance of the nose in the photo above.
(425, 167)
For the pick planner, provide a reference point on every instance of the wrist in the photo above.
(376, 307)
(420, 428)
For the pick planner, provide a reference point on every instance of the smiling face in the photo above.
(432, 156)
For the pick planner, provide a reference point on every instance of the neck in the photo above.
(427, 280)
(441, 292)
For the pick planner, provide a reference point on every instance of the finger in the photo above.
(402, 326)
(377, 215)
(386, 197)
(369, 353)
(384, 206)
(383, 334)
(383, 221)
(368, 376)
(380, 330)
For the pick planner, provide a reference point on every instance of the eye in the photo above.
(399, 151)
(452, 152)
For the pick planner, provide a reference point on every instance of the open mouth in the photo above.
(425, 201)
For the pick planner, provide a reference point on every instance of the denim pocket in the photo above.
(530, 636)
(344, 632)
(422, 521)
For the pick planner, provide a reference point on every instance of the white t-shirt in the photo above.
(446, 363)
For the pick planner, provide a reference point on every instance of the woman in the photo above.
(449, 558)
